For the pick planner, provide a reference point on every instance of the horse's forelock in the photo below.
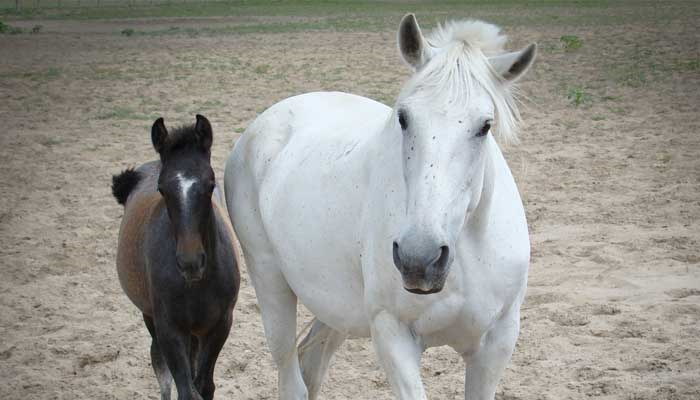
(460, 63)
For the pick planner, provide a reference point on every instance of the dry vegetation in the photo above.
(608, 168)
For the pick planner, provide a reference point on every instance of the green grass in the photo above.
(687, 65)
(505, 12)
(12, 30)
(578, 96)
(571, 42)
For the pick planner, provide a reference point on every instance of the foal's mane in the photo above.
(459, 63)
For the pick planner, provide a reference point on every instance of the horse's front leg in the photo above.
(175, 346)
(486, 366)
(399, 353)
(210, 346)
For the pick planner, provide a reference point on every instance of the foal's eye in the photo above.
(484, 129)
(402, 120)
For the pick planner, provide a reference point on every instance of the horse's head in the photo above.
(186, 183)
(460, 93)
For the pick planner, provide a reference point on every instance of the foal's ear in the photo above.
(413, 47)
(204, 132)
(159, 135)
(513, 65)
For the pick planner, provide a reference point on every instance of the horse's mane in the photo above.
(459, 63)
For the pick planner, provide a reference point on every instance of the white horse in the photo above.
(401, 224)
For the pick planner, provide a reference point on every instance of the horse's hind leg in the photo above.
(209, 348)
(165, 379)
(315, 353)
(278, 306)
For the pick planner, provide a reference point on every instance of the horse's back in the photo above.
(317, 124)
(324, 116)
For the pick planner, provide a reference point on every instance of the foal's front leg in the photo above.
(175, 346)
(399, 354)
(210, 346)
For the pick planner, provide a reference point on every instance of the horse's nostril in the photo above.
(191, 262)
(397, 259)
(444, 256)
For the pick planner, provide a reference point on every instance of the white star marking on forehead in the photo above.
(185, 186)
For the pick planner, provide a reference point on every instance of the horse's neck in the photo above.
(211, 235)
(388, 152)
(477, 220)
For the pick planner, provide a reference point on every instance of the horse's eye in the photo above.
(484, 129)
(402, 120)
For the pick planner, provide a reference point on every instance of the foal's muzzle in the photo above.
(191, 265)
(423, 266)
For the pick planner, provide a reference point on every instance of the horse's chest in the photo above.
(204, 310)
(453, 320)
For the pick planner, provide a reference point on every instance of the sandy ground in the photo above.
(611, 187)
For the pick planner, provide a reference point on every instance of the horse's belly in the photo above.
(326, 281)
(131, 262)
(312, 220)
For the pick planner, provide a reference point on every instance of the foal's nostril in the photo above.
(191, 263)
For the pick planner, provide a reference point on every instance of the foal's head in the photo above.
(186, 183)
(460, 93)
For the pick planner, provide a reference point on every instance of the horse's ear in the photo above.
(511, 66)
(159, 135)
(412, 45)
(204, 131)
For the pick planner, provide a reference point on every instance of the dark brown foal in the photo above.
(176, 259)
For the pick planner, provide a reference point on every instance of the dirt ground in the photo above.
(608, 167)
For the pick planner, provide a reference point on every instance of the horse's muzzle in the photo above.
(424, 272)
(191, 266)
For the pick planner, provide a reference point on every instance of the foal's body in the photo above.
(321, 184)
(187, 306)
(145, 235)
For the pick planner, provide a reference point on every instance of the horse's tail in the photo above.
(124, 183)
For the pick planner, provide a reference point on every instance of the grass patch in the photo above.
(51, 141)
(632, 75)
(262, 69)
(12, 30)
(687, 65)
(571, 42)
(503, 12)
(577, 96)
